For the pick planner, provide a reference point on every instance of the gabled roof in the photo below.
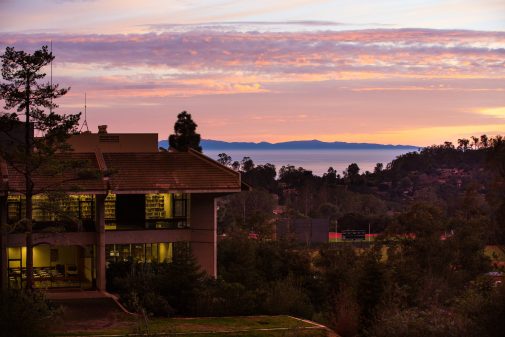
(133, 173)
(169, 171)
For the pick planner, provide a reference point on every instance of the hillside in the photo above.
(209, 144)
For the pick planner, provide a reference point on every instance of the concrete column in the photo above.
(203, 222)
(100, 242)
(4, 277)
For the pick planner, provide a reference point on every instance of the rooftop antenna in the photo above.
(85, 123)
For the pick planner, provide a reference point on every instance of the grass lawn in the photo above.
(242, 326)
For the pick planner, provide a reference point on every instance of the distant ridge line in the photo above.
(210, 144)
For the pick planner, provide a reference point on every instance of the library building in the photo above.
(144, 206)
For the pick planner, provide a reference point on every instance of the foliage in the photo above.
(180, 282)
(416, 322)
(222, 298)
(139, 294)
(185, 136)
(484, 310)
(23, 91)
(275, 278)
(25, 313)
(352, 173)
(370, 286)
(422, 276)
(345, 314)
(261, 176)
(161, 289)
(287, 296)
(224, 159)
(237, 261)
(247, 211)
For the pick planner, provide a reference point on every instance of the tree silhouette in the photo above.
(484, 141)
(475, 141)
(224, 159)
(247, 164)
(463, 144)
(23, 91)
(352, 173)
(185, 136)
(378, 168)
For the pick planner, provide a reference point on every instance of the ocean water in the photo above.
(317, 161)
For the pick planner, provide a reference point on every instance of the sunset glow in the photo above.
(425, 72)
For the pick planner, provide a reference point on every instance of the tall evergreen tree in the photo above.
(24, 92)
(185, 136)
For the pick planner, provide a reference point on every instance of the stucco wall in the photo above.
(54, 239)
(147, 236)
(204, 232)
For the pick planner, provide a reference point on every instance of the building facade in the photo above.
(145, 206)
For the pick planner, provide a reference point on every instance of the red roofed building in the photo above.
(137, 204)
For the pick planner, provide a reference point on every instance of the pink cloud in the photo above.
(374, 82)
(396, 50)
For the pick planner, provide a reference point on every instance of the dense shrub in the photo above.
(344, 316)
(25, 313)
(484, 310)
(161, 289)
(287, 297)
(221, 298)
(416, 322)
(137, 292)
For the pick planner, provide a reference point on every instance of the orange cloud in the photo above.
(413, 86)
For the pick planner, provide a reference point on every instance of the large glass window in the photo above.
(158, 206)
(110, 212)
(122, 212)
(141, 252)
(151, 211)
(53, 266)
(86, 207)
(181, 205)
(15, 208)
(73, 212)
(43, 211)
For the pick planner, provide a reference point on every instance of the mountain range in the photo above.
(209, 144)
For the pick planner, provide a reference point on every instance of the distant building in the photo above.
(144, 206)
(114, 142)
(306, 231)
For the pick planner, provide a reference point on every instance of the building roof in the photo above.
(130, 173)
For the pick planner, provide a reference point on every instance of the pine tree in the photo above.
(185, 136)
(24, 92)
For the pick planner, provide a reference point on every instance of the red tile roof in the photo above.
(168, 171)
(138, 173)
(80, 173)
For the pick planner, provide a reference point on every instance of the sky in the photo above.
(392, 72)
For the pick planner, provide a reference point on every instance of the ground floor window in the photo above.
(53, 266)
(145, 252)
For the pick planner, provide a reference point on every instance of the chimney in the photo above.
(102, 129)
